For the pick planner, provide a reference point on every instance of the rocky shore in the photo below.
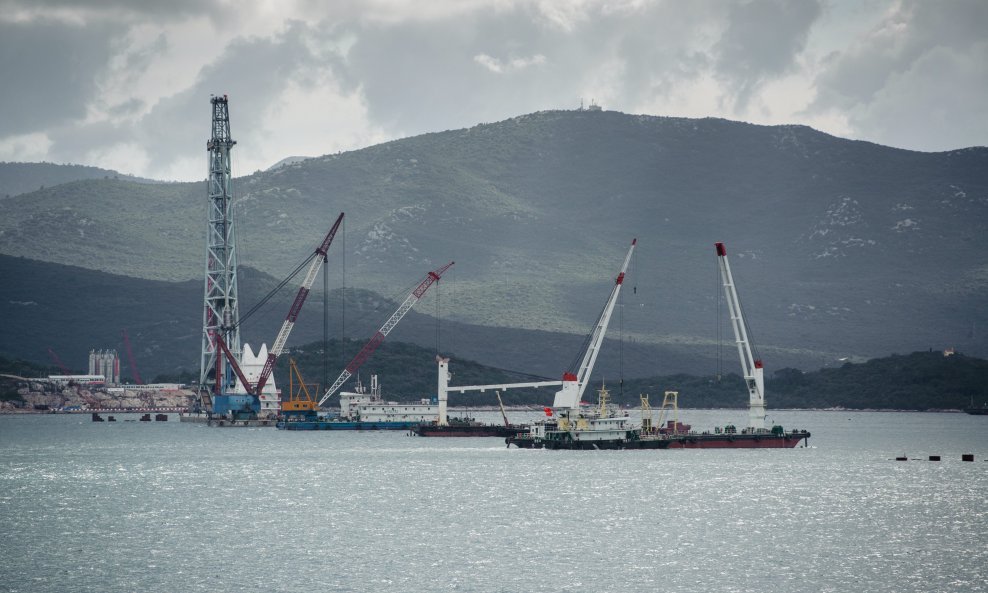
(38, 397)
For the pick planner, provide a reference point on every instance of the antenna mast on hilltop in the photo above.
(221, 314)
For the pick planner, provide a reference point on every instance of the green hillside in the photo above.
(19, 178)
(840, 248)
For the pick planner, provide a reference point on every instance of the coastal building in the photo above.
(106, 363)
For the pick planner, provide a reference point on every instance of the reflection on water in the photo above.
(177, 507)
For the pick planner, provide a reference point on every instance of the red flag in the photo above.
(548, 411)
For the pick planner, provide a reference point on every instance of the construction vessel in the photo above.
(360, 410)
(682, 436)
(755, 435)
(601, 429)
(227, 394)
(570, 425)
(239, 397)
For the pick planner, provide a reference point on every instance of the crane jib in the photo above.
(329, 237)
(375, 341)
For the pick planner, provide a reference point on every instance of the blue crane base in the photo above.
(236, 407)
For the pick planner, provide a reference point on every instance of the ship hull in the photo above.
(697, 441)
(347, 425)
(525, 442)
(468, 430)
(738, 441)
(226, 422)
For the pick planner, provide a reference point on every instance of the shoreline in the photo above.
(533, 408)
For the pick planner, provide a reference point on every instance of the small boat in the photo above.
(586, 427)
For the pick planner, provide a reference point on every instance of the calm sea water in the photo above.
(171, 507)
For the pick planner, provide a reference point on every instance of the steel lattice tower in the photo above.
(220, 311)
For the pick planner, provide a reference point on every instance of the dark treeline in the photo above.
(917, 381)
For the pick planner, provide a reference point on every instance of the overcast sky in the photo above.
(125, 84)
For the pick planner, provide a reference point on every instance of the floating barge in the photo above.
(466, 427)
(613, 433)
(343, 424)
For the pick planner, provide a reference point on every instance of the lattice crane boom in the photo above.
(318, 257)
(130, 359)
(389, 325)
(58, 361)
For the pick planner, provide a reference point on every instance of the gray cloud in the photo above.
(49, 72)
(425, 76)
(762, 40)
(118, 10)
(253, 72)
(494, 64)
(918, 80)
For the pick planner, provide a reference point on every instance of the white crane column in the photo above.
(751, 367)
(442, 389)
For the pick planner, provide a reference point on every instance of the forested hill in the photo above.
(917, 381)
(19, 178)
(834, 243)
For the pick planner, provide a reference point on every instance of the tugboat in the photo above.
(587, 428)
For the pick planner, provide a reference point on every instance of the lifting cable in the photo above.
(275, 290)
(719, 305)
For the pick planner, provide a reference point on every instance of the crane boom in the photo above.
(574, 385)
(318, 257)
(130, 358)
(389, 325)
(443, 388)
(233, 364)
(58, 361)
(750, 366)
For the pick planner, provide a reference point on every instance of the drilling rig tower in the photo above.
(221, 315)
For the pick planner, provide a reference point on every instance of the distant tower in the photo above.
(220, 310)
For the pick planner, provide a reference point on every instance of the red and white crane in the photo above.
(318, 257)
(130, 358)
(568, 398)
(389, 325)
(574, 385)
(58, 361)
(750, 366)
